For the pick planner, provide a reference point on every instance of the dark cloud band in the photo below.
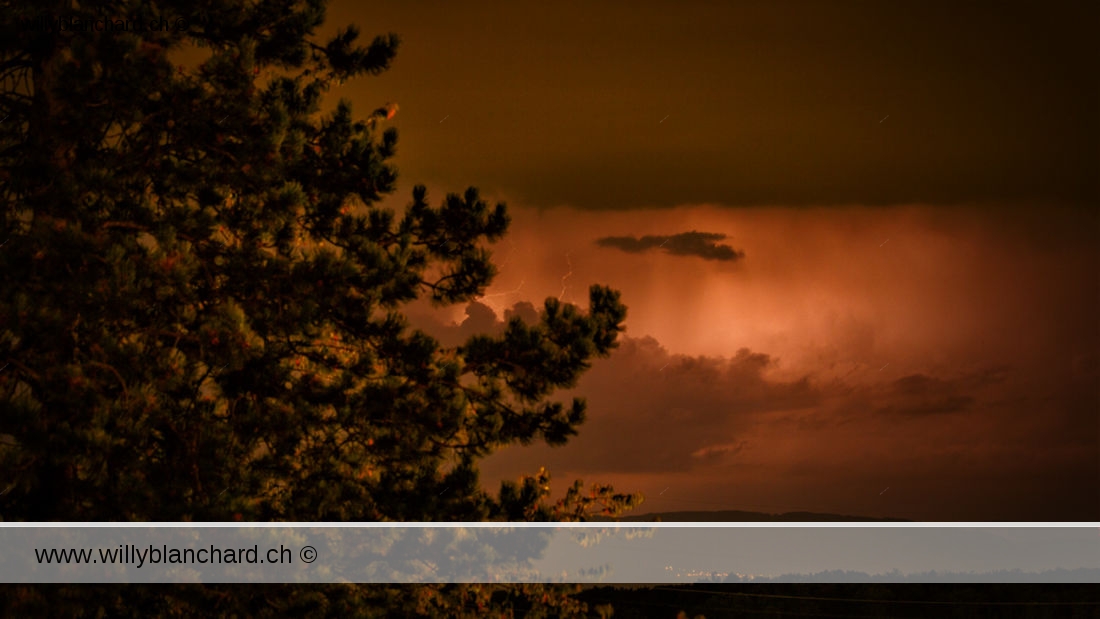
(702, 244)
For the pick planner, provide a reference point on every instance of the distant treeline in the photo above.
(743, 516)
(868, 600)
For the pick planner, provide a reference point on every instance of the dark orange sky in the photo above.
(562, 103)
(903, 315)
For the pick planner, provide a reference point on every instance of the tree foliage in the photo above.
(201, 301)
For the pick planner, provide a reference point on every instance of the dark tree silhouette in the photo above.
(201, 301)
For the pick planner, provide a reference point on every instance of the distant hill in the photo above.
(740, 516)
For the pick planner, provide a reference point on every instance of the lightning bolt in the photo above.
(566, 276)
(502, 294)
(507, 259)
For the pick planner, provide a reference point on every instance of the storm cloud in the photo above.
(944, 354)
(702, 244)
(713, 432)
(918, 394)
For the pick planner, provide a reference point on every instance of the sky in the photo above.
(858, 241)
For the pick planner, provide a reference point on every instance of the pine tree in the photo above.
(201, 300)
